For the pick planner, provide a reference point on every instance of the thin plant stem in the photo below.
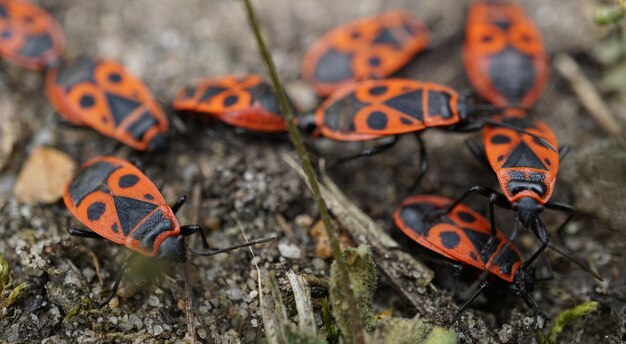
(350, 300)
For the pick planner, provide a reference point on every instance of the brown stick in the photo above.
(589, 96)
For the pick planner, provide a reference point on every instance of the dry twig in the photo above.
(589, 96)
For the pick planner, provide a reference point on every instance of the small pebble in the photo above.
(234, 294)
(134, 320)
(153, 301)
(89, 273)
(113, 320)
(157, 330)
(254, 294)
(115, 302)
(289, 250)
(319, 264)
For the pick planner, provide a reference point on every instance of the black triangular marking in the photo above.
(131, 211)
(523, 156)
(386, 36)
(409, 103)
(121, 107)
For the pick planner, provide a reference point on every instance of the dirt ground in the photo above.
(240, 183)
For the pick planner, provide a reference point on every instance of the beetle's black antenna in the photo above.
(222, 250)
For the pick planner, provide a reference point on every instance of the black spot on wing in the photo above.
(333, 67)
(114, 228)
(3, 12)
(378, 90)
(148, 197)
(500, 139)
(449, 239)
(502, 24)
(151, 228)
(131, 211)
(473, 256)
(377, 120)
(547, 161)
(231, 100)
(95, 211)
(115, 77)
(90, 179)
(127, 181)
(87, 101)
(374, 61)
(409, 103)
(35, 46)
(121, 107)
(523, 156)
(138, 128)
(465, 216)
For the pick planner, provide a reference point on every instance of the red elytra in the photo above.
(503, 54)
(460, 235)
(246, 102)
(102, 94)
(29, 36)
(371, 47)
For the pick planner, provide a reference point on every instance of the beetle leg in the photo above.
(564, 208)
(118, 279)
(564, 151)
(368, 152)
(179, 204)
(423, 163)
(542, 234)
(188, 230)
(458, 313)
(492, 222)
(83, 233)
(536, 309)
(478, 153)
(137, 164)
(500, 200)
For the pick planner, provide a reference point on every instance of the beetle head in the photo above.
(173, 249)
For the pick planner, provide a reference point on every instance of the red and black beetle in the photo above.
(371, 47)
(374, 109)
(117, 202)
(504, 55)
(246, 102)
(463, 236)
(526, 169)
(29, 36)
(102, 94)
